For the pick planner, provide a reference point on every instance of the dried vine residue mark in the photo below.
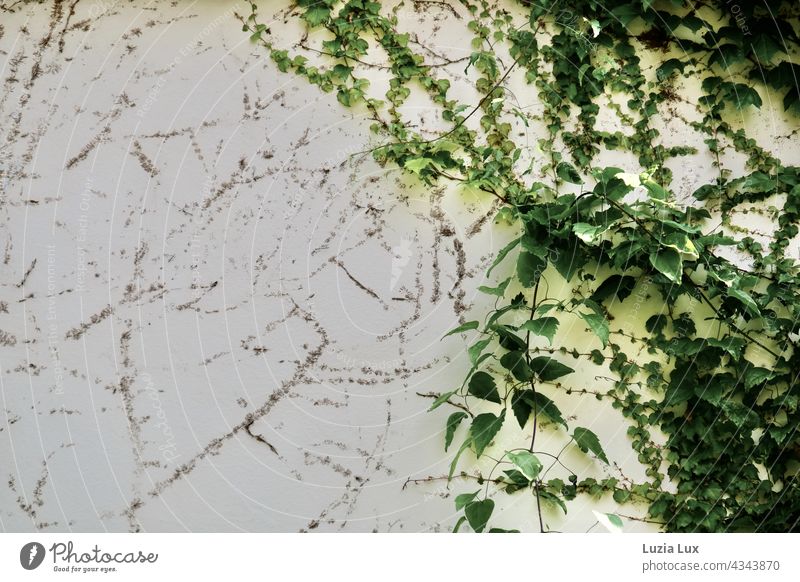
(476, 226)
(77, 332)
(7, 339)
(130, 513)
(457, 293)
(30, 508)
(300, 376)
(355, 484)
(27, 274)
(358, 283)
(89, 147)
(145, 162)
(249, 430)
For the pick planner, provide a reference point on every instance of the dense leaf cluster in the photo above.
(715, 370)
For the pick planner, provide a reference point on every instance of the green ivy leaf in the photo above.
(552, 498)
(482, 385)
(316, 14)
(464, 499)
(515, 363)
(529, 268)
(750, 306)
(549, 369)
(544, 326)
(756, 376)
(416, 165)
(441, 399)
(452, 424)
(764, 48)
(454, 463)
(502, 254)
(589, 233)
(527, 462)
(484, 428)
(568, 173)
(498, 291)
(470, 325)
(742, 95)
(545, 406)
(669, 263)
(587, 441)
(476, 349)
(598, 324)
(478, 514)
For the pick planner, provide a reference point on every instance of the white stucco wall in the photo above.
(208, 321)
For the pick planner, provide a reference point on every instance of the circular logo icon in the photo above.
(31, 555)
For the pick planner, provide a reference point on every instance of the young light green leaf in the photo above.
(475, 350)
(502, 254)
(587, 441)
(441, 399)
(498, 291)
(588, 233)
(416, 165)
(610, 521)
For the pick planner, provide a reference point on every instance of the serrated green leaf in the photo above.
(484, 428)
(552, 498)
(316, 14)
(476, 349)
(544, 405)
(756, 376)
(515, 363)
(454, 463)
(589, 233)
(549, 369)
(587, 441)
(544, 326)
(483, 386)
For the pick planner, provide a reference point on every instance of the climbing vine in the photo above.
(707, 381)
